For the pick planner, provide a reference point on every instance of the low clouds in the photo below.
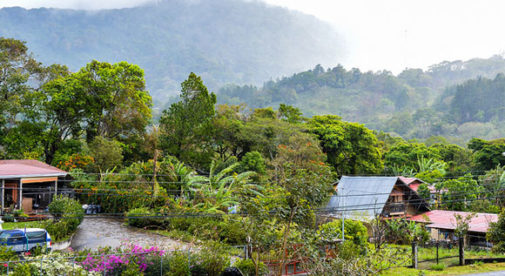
(75, 4)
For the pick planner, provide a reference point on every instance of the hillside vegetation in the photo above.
(222, 40)
(458, 100)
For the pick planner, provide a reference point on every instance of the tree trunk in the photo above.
(285, 240)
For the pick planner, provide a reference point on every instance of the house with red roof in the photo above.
(442, 225)
(414, 184)
(28, 184)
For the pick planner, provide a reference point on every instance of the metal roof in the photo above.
(447, 220)
(361, 197)
(27, 168)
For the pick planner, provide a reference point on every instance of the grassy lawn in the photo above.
(455, 270)
(21, 225)
(444, 253)
(450, 265)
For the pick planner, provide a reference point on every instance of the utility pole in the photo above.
(155, 167)
(343, 215)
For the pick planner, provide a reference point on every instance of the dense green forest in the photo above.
(450, 99)
(222, 40)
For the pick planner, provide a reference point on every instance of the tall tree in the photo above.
(299, 169)
(487, 154)
(101, 99)
(16, 68)
(351, 148)
(186, 125)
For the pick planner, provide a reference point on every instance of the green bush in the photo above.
(247, 267)
(67, 213)
(203, 228)
(158, 265)
(7, 254)
(354, 231)
(178, 264)
(19, 213)
(214, 258)
(143, 217)
(232, 231)
(24, 269)
(438, 267)
(8, 218)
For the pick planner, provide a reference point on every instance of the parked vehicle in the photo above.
(24, 240)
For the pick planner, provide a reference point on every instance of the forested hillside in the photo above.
(443, 100)
(225, 176)
(222, 40)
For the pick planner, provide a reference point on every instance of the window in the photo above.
(4, 236)
(36, 235)
(16, 238)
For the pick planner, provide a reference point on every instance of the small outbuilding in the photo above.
(442, 225)
(28, 184)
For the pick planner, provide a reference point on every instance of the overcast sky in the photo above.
(386, 34)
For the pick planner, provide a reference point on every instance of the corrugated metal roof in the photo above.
(361, 197)
(446, 220)
(27, 168)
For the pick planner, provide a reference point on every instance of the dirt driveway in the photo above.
(99, 232)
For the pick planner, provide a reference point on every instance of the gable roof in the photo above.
(445, 220)
(361, 196)
(410, 180)
(27, 168)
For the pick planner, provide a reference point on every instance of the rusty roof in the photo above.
(27, 168)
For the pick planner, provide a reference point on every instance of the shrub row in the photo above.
(205, 228)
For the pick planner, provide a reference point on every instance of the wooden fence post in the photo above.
(414, 255)
(461, 242)
(437, 251)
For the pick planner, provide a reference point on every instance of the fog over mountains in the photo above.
(222, 40)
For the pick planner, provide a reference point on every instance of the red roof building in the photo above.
(443, 223)
(27, 184)
(27, 168)
(446, 220)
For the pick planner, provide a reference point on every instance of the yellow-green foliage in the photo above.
(354, 231)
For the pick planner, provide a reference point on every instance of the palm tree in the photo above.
(220, 190)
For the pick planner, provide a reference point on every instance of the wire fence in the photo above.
(101, 264)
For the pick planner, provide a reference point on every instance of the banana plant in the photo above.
(220, 190)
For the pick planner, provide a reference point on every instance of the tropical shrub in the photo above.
(354, 231)
(246, 266)
(7, 254)
(143, 218)
(404, 232)
(67, 213)
(222, 228)
(157, 265)
(133, 187)
(213, 258)
(179, 264)
(496, 233)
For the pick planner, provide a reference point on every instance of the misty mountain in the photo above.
(458, 99)
(221, 40)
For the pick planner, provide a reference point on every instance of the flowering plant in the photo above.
(119, 259)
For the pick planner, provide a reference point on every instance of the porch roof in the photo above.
(16, 169)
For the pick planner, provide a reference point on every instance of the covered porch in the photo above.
(27, 184)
